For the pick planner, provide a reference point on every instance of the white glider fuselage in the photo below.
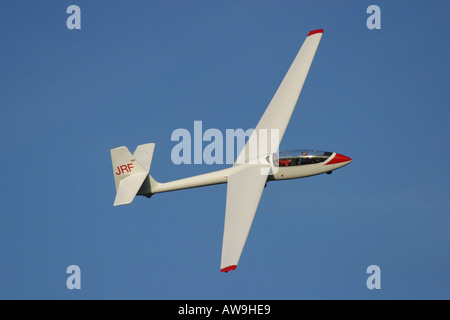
(287, 167)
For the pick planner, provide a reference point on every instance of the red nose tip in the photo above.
(339, 158)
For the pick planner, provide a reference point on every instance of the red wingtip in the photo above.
(315, 31)
(226, 269)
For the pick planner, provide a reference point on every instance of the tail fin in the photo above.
(130, 171)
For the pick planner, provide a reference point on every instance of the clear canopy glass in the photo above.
(302, 157)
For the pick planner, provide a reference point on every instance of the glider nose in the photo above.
(340, 158)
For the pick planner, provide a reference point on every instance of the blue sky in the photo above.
(137, 71)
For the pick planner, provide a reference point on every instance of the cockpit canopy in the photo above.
(302, 157)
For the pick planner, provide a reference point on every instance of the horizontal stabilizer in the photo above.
(128, 188)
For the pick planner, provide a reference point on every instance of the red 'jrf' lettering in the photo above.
(124, 168)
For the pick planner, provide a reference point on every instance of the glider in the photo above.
(253, 168)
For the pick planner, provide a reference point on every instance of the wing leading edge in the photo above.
(244, 191)
(280, 108)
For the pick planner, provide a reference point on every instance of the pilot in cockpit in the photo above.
(304, 159)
